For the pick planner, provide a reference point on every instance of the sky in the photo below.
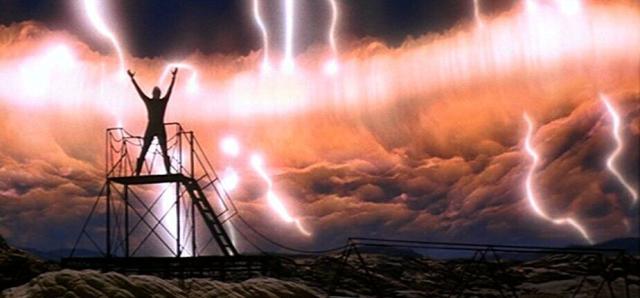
(178, 28)
(419, 133)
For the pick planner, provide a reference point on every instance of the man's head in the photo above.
(156, 92)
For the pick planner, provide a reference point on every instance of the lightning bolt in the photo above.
(611, 160)
(91, 8)
(230, 179)
(476, 14)
(230, 147)
(531, 197)
(274, 201)
(288, 64)
(192, 85)
(331, 67)
(266, 64)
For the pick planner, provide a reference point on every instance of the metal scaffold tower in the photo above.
(177, 214)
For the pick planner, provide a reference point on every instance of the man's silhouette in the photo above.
(156, 107)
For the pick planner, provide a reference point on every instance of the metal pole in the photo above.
(106, 154)
(193, 228)
(108, 219)
(178, 250)
(180, 150)
(126, 221)
(193, 204)
(192, 153)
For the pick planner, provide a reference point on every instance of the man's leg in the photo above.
(162, 140)
(148, 138)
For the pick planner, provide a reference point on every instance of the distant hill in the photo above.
(57, 254)
(629, 245)
(18, 266)
(389, 251)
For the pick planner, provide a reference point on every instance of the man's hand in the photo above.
(174, 71)
(131, 73)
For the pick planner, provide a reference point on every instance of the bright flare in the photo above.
(37, 74)
(531, 197)
(611, 160)
(230, 146)
(569, 7)
(230, 179)
(531, 6)
(91, 8)
(274, 201)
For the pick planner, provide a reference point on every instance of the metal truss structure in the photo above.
(136, 214)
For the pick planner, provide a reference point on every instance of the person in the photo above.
(156, 107)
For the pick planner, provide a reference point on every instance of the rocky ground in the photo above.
(18, 267)
(550, 276)
(23, 275)
(88, 283)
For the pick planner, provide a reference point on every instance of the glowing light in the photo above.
(230, 179)
(192, 84)
(170, 217)
(266, 63)
(611, 160)
(91, 8)
(331, 67)
(287, 64)
(230, 146)
(531, 6)
(274, 202)
(476, 13)
(570, 7)
(37, 74)
(531, 197)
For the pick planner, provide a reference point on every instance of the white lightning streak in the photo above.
(192, 85)
(230, 179)
(91, 8)
(531, 197)
(266, 63)
(287, 64)
(276, 204)
(231, 147)
(476, 13)
(331, 67)
(332, 29)
(615, 131)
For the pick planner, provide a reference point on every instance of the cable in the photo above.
(302, 251)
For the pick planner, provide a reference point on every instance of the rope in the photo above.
(289, 248)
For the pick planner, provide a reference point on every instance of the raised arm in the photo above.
(173, 81)
(142, 95)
